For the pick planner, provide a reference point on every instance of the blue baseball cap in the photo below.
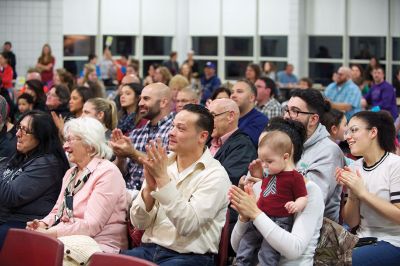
(210, 65)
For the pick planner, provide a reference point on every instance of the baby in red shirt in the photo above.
(283, 190)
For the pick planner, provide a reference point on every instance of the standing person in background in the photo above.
(192, 63)
(253, 72)
(107, 68)
(45, 64)
(11, 57)
(209, 82)
(172, 64)
(6, 72)
(270, 70)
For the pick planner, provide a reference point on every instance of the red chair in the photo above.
(221, 258)
(23, 247)
(104, 259)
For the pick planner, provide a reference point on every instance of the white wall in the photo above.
(158, 17)
(325, 17)
(80, 17)
(28, 25)
(368, 17)
(238, 17)
(273, 17)
(120, 17)
(204, 17)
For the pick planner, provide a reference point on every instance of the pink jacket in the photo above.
(99, 207)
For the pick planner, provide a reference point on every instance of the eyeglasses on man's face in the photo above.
(216, 115)
(294, 113)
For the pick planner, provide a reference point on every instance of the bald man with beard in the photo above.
(154, 105)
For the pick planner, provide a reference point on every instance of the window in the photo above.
(396, 49)
(157, 45)
(235, 69)
(205, 45)
(79, 45)
(365, 47)
(121, 45)
(238, 46)
(202, 63)
(325, 47)
(75, 67)
(274, 46)
(322, 72)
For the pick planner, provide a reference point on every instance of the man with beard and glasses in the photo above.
(154, 105)
(321, 156)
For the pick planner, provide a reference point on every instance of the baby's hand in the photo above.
(256, 169)
(291, 207)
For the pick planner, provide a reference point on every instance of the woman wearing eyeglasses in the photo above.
(373, 185)
(92, 201)
(31, 181)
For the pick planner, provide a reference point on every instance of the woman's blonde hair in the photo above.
(108, 108)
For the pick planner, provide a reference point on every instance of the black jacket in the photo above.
(8, 143)
(30, 191)
(236, 154)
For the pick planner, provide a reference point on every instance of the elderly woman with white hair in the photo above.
(90, 202)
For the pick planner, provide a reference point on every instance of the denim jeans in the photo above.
(253, 243)
(166, 257)
(380, 253)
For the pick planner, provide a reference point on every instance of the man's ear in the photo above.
(203, 136)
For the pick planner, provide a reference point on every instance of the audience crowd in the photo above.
(176, 156)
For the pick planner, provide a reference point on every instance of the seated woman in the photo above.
(296, 247)
(32, 178)
(90, 202)
(129, 117)
(103, 110)
(373, 185)
(57, 101)
(78, 98)
(35, 88)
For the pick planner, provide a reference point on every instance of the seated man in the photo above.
(251, 121)
(185, 96)
(154, 105)
(183, 202)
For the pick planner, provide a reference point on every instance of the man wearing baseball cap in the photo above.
(209, 81)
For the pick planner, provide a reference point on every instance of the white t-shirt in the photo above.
(383, 180)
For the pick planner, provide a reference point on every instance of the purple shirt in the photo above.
(384, 96)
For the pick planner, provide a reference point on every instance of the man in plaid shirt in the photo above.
(266, 103)
(155, 105)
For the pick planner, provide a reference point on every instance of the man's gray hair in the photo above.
(92, 132)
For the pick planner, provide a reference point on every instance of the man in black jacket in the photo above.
(230, 146)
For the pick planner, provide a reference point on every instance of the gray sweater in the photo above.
(318, 163)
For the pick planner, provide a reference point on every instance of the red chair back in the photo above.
(23, 247)
(222, 256)
(104, 259)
